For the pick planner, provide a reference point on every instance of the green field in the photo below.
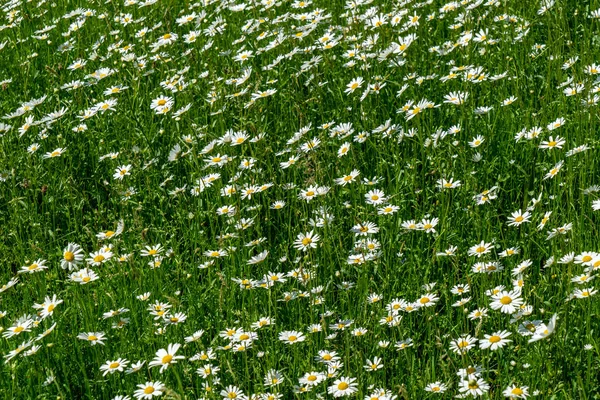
(308, 199)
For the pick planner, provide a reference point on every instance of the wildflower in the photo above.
(165, 357)
(93, 337)
(343, 387)
(306, 241)
(110, 367)
(495, 341)
(149, 389)
(506, 302)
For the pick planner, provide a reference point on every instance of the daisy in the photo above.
(161, 102)
(72, 257)
(164, 358)
(477, 141)
(365, 228)
(427, 300)
(48, 306)
(344, 149)
(353, 85)
(542, 331)
(306, 241)
(516, 392)
(344, 180)
(151, 251)
(517, 218)
(135, 367)
(93, 337)
(36, 266)
(149, 389)
(373, 365)
(343, 386)
(428, 225)
(555, 170)
(552, 143)
(110, 367)
(436, 387)
(19, 327)
(584, 293)
(99, 257)
(291, 337)
(445, 184)
(507, 302)
(122, 171)
(312, 378)
(243, 56)
(456, 98)
(233, 392)
(463, 344)
(112, 234)
(375, 197)
(84, 276)
(56, 153)
(208, 370)
(495, 341)
(33, 148)
(474, 386)
(480, 249)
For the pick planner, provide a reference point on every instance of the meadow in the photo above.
(299, 199)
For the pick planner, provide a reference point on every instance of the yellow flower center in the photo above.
(69, 256)
(167, 359)
(114, 365)
(92, 337)
(99, 258)
(342, 386)
(517, 391)
(506, 300)
(495, 339)
(424, 300)
(306, 241)
(149, 390)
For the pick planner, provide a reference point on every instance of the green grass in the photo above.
(47, 203)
